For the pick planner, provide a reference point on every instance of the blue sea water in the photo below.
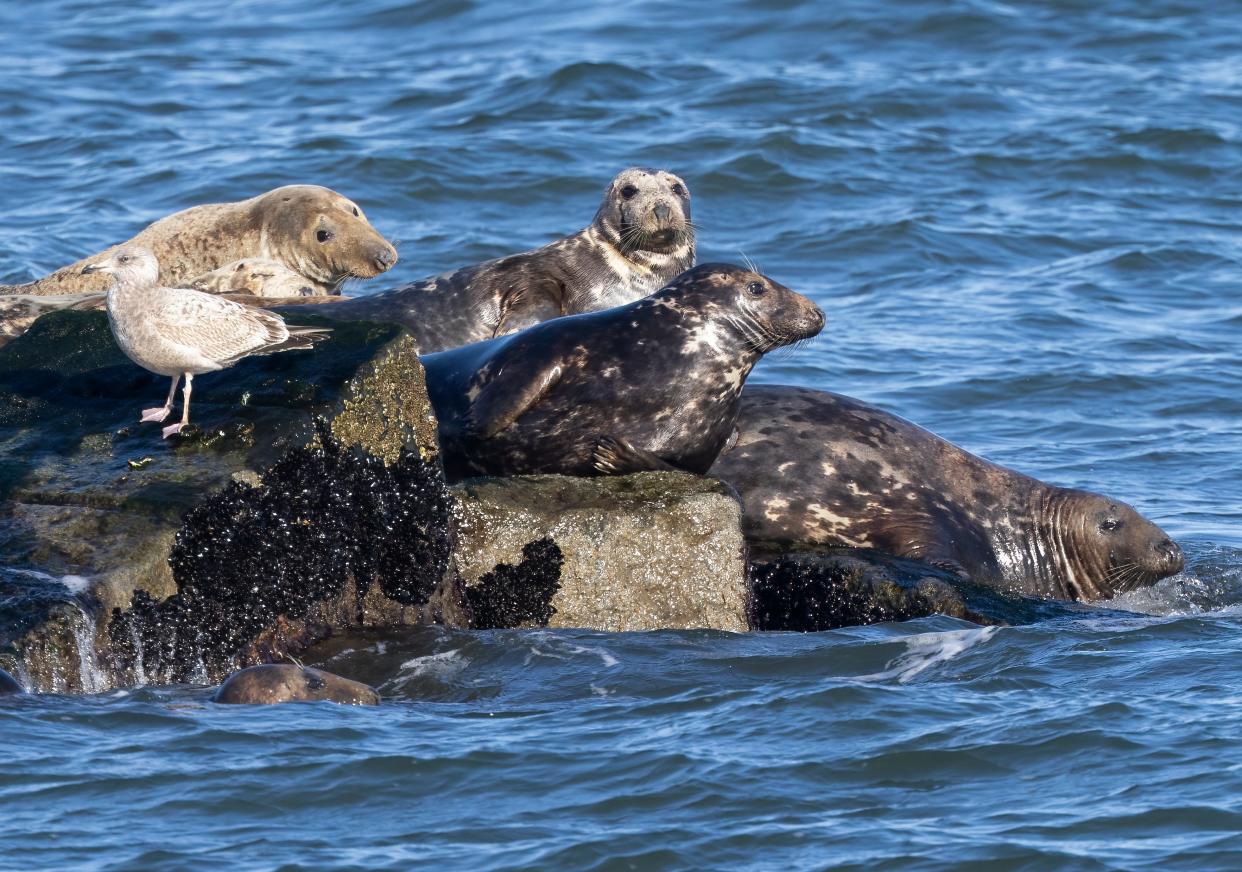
(1022, 220)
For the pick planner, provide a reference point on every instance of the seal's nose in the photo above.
(385, 257)
(819, 319)
(1172, 555)
(661, 211)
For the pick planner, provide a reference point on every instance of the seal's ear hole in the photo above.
(629, 191)
(756, 289)
(323, 235)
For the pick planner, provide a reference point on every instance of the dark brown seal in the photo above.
(815, 468)
(310, 230)
(284, 682)
(640, 240)
(650, 385)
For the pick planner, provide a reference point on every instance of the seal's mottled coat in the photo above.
(640, 240)
(815, 468)
(650, 385)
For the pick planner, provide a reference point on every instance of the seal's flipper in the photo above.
(501, 402)
(613, 456)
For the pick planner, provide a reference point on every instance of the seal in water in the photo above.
(9, 684)
(650, 385)
(312, 231)
(640, 240)
(177, 331)
(815, 468)
(283, 682)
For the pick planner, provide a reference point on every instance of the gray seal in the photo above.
(820, 469)
(650, 385)
(640, 240)
(283, 682)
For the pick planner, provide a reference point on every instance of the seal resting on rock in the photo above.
(255, 276)
(9, 684)
(650, 385)
(177, 331)
(640, 240)
(815, 468)
(310, 230)
(283, 682)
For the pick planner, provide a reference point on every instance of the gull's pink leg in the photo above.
(162, 413)
(185, 408)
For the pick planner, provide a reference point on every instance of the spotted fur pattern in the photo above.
(815, 468)
(661, 375)
(641, 238)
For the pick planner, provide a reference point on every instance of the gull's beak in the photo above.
(95, 267)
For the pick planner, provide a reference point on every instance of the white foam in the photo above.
(930, 649)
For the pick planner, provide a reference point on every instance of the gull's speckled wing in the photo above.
(221, 330)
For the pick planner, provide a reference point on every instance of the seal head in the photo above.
(321, 234)
(650, 385)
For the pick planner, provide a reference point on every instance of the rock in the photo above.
(656, 550)
(282, 682)
(8, 684)
(824, 590)
(87, 493)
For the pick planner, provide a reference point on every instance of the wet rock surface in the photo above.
(814, 591)
(650, 551)
(91, 502)
(275, 683)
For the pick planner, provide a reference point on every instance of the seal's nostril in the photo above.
(385, 257)
(661, 212)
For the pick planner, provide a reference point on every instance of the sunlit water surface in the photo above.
(1022, 221)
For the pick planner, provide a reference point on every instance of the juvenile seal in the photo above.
(283, 682)
(815, 468)
(177, 331)
(640, 239)
(257, 277)
(312, 231)
(650, 385)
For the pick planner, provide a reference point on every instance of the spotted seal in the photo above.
(649, 385)
(640, 240)
(283, 682)
(815, 468)
(310, 230)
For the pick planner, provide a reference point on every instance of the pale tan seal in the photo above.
(283, 682)
(257, 277)
(310, 230)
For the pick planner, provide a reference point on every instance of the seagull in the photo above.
(179, 332)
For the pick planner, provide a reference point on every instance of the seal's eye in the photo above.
(756, 289)
(629, 191)
(323, 235)
(679, 190)
(355, 211)
(1109, 524)
(124, 258)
